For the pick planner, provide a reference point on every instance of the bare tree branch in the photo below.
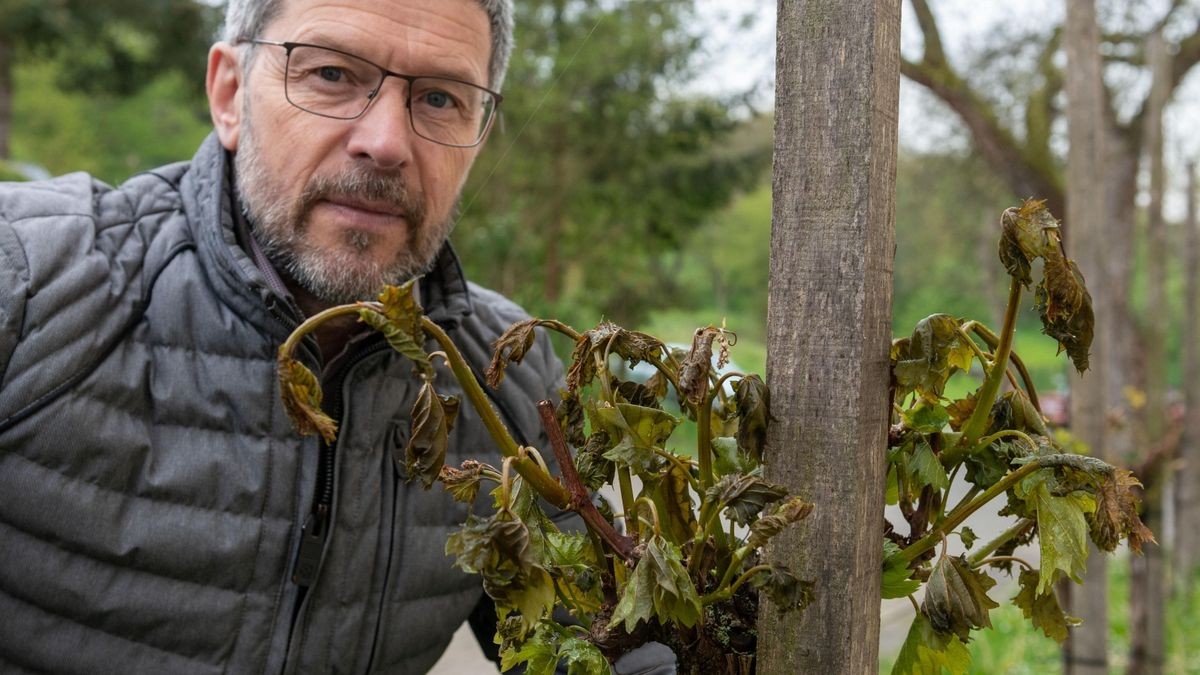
(934, 54)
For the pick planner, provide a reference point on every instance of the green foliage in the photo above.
(1008, 451)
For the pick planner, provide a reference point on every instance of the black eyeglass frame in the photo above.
(384, 73)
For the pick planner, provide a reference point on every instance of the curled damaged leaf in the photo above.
(463, 484)
(956, 599)
(498, 549)
(432, 419)
(669, 490)
(744, 497)
(1029, 232)
(753, 404)
(659, 587)
(695, 368)
(790, 511)
(609, 338)
(1065, 307)
(570, 417)
(398, 338)
(1062, 523)
(787, 591)
(1116, 514)
(1042, 608)
(401, 307)
(301, 393)
(511, 347)
(590, 463)
(1014, 410)
(925, 360)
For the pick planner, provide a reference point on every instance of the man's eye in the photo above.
(331, 73)
(439, 99)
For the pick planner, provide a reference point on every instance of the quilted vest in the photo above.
(152, 490)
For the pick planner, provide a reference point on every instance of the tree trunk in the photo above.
(1147, 588)
(828, 321)
(1085, 651)
(6, 87)
(1187, 491)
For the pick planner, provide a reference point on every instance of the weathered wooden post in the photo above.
(832, 246)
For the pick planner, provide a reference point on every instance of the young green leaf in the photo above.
(728, 460)
(432, 418)
(1062, 525)
(926, 417)
(1117, 513)
(927, 652)
(582, 657)
(744, 497)
(1042, 608)
(925, 468)
(956, 599)
(539, 653)
(659, 587)
(301, 393)
(968, 537)
(896, 573)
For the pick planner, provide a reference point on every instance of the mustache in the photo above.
(366, 184)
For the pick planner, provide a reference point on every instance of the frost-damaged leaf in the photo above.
(790, 511)
(956, 599)
(612, 339)
(301, 393)
(432, 418)
(960, 411)
(1014, 410)
(1029, 232)
(1062, 525)
(787, 591)
(1065, 307)
(659, 587)
(401, 307)
(753, 401)
(635, 393)
(968, 537)
(1042, 608)
(896, 581)
(928, 652)
(696, 366)
(1117, 513)
(570, 417)
(510, 347)
(462, 484)
(400, 340)
(593, 468)
(638, 431)
(744, 497)
(499, 550)
(925, 360)
(570, 555)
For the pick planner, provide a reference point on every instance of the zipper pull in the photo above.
(312, 542)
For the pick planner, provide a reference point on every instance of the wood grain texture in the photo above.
(829, 315)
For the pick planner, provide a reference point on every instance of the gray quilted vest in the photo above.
(152, 491)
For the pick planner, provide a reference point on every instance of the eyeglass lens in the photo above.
(329, 83)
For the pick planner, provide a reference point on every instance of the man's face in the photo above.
(343, 207)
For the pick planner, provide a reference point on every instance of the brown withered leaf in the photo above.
(637, 394)
(1117, 513)
(510, 347)
(1029, 232)
(956, 599)
(301, 393)
(695, 368)
(401, 307)
(668, 489)
(570, 417)
(744, 497)
(1065, 307)
(790, 511)
(961, 411)
(787, 591)
(1042, 609)
(462, 484)
(753, 403)
(609, 338)
(432, 418)
(935, 351)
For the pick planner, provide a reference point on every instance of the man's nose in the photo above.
(384, 134)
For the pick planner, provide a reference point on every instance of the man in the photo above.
(158, 513)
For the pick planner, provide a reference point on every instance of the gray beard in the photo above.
(345, 273)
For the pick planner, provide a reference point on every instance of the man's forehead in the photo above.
(440, 37)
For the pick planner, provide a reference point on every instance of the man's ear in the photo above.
(224, 86)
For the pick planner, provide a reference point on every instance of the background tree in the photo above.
(104, 46)
(601, 149)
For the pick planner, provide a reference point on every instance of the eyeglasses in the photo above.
(336, 84)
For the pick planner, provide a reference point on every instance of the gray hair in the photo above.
(246, 19)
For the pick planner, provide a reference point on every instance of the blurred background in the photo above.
(630, 179)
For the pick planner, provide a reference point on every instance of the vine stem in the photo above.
(1004, 558)
(991, 385)
(1004, 537)
(704, 439)
(726, 593)
(580, 501)
(992, 339)
(288, 348)
(958, 515)
(955, 455)
(541, 481)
